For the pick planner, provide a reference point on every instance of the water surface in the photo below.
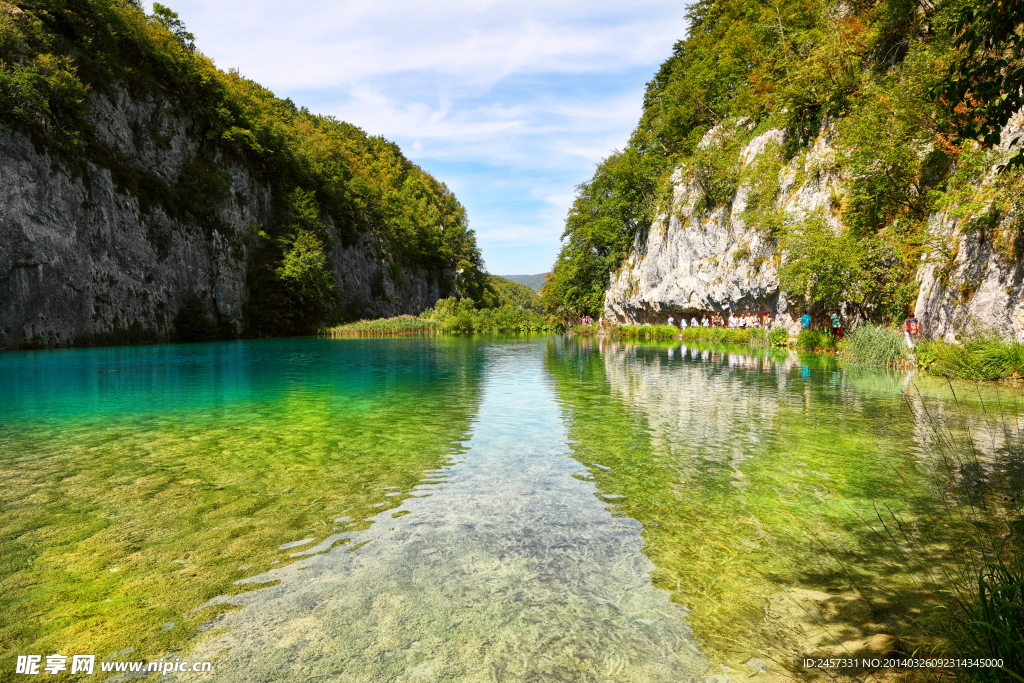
(490, 508)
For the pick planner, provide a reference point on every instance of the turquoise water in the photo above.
(488, 508)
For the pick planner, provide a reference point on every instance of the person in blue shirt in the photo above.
(805, 321)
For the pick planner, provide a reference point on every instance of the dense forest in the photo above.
(913, 95)
(330, 180)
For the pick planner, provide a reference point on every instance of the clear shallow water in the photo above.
(452, 508)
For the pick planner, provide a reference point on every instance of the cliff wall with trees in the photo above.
(808, 154)
(147, 195)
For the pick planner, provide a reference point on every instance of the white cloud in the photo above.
(511, 102)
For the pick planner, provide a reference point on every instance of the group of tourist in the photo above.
(830, 322)
(741, 321)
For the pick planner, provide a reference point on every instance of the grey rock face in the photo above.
(80, 260)
(690, 263)
(967, 284)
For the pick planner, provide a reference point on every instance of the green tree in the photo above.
(170, 21)
(305, 267)
(603, 222)
(983, 86)
(821, 266)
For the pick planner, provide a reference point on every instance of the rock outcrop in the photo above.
(968, 283)
(83, 260)
(692, 261)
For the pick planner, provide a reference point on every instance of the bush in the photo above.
(779, 336)
(450, 316)
(875, 345)
(813, 340)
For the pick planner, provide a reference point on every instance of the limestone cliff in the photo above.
(85, 259)
(692, 260)
(968, 282)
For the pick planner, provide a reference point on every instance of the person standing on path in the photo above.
(911, 331)
(805, 321)
(837, 325)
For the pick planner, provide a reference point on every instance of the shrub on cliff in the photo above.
(193, 322)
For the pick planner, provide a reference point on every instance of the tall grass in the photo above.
(982, 613)
(385, 327)
(873, 345)
(645, 331)
(722, 335)
(980, 356)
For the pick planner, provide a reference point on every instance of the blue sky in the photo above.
(509, 102)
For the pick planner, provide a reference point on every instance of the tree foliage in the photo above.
(983, 87)
(305, 267)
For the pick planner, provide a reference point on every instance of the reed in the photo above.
(977, 357)
(386, 327)
(874, 345)
(982, 611)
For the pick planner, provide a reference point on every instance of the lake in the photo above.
(467, 508)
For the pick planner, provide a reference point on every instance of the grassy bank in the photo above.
(386, 327)
(980, 357)
(721, 335)
(449, 316)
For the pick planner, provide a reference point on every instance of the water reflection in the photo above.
(753, 473)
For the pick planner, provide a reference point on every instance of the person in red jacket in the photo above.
(911, 330)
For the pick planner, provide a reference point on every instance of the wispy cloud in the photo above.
(510, 102)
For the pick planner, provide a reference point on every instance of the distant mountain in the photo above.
(534, 282)
(516, 293)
